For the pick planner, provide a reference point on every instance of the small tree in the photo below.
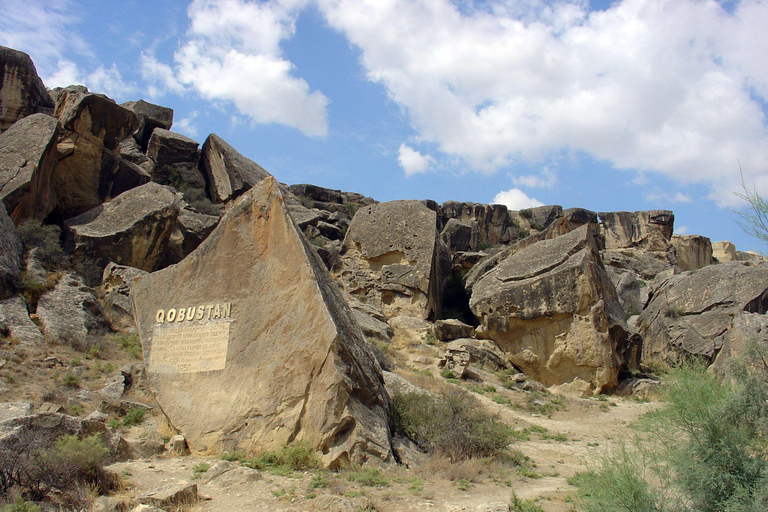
(755, 219)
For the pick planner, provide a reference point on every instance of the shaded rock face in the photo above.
(393, 258)
(552, 308)
(690, 314)
(10, 255)
(250, 344)
(190, 230)
(70, 312)
(89, 170)
(132, 229)
(176, 158)
(27, 159)
(649, 230)
(151, 116)
(491, 223)
(116, 282)
(229, 173)
(22, 93)
(692, 251)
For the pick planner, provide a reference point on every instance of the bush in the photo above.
(705, 446)
(134, 417)
(45, 238)
(296, 456)
(453, 425)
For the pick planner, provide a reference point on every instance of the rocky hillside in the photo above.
(260, 307)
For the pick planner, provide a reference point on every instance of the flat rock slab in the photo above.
(229, 173)
(250, 345)
(27, 158)
(15, 318)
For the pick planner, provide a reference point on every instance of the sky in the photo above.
(604, 105)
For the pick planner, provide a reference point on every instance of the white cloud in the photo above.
(547, 179)
(681, 230)
(186, 125)
(660, 197)
(232, 52)
(160, 76)
(515, 199)
(657, 85)
(412, 161)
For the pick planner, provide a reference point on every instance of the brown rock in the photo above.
(692, 251)
(175, 158)
(452, 329)
(279, 357)
(27, 158)
(554, 312)
(116, 283)
(22, 93)
(151, 116)
(132, 229)
(10, 255)
(15, 322)
(70, 312)
(228, 172)
(649, 230)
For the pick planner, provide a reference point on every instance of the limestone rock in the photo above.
(393, 258)
(177, 445)
(95, 117)
(452, 329)
(228, 172)
(747, 331)
(540, 217)
(692, 251)
(10, 255)
(553, 310)
(492, 222)
(15, 323)
(460, 235)
(27, 159)
(279, 358)
(690, 314)
(372, 328)
(480, 353)
(70, 312)
(648, 230)
(130, 151)
(176, 158)
(151, 116)
(132, 229)
(190, 230)
(173, 495)
(723, 251)
(116, 282)
(22, 93)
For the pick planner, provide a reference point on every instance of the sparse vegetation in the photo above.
(46, 239)
(452, 425)
(293, 457)
(199, 470)
(754, 221)
(134, 417)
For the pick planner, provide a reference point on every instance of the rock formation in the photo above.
(552, 308)
(22, 93)
(393, 258)
(251, 346)
(649, 230)
(10, 255)
(692, 251)
(229, 173)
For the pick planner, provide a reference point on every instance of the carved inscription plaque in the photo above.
(189, 348)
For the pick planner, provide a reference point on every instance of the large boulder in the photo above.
(552, 308)
(492, 222)
(692, 251)
(132, 229)
(22, 93)
(70, 312)
(229, 173)
(190, 230)
(724, 251)
(16, 324)
(151, 116)
(648, 230)
(176, 157)
(90, 169)
(393, 258)
(251, 346)
(27, 159)
(11, 250)
(688, 315)
(116, 283)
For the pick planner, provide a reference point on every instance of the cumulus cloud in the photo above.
(186, 125)
(412, 161)
(666, 86)
(547, 179)
(231, 52)
(660, 197)
(515, 199)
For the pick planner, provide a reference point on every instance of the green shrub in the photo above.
(518, 505)
(233, 456)
(20, 506)
(293, 457)
(369, 477)
(45, 238)
(453, 425)
(199, 470)
(71, 380)
(134, 417)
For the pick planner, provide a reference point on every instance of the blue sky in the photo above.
(625, 105)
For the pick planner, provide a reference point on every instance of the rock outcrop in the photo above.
(10, 255)
(22, 93)
(27, 159)
(132, 229)
(116, 283)
(151, 116)
(692, 251)
(175, 157)
(689, 314)
(553, 310)
(648, 230)
(251, 346)
(70, 312)
(16, 325)
(229, 173)
(393, 258)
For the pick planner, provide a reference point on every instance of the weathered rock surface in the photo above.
(70, 312)
(151, 116)
(724, 251)
(452, 329)
(190, 230)
(649, 230)
(15, 323)
(22, 93)
(176, 158)
(250, 344)
(88, 151)
(491, 223)
(692, 251)
(228, 172)
(460, 235)
(10, 255)
(393, 258)
(748, 331)
(690, 314)
(27, 158)
(553, 310)
(485, 354)
(116, 282)
(132, 229)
